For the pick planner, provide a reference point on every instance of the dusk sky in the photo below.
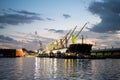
(52, 19)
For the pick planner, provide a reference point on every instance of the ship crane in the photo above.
(40, 42)
(75, 37)
(66, 35)
(63, 42)
(66, 38)
(59, 44)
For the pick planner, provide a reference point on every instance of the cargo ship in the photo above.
(61, 49)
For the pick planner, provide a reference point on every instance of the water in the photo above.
(59, 69)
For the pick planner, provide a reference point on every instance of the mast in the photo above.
(82, 39)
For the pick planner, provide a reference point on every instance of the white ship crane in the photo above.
(40, 42)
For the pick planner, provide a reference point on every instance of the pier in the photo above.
(106, 53)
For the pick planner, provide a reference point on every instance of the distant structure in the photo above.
(40, 43)
(107, 53)
(11, 53)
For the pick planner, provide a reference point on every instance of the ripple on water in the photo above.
(59, 69)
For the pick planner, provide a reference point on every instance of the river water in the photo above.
(59, 69)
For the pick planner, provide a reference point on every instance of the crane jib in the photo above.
(81, 30)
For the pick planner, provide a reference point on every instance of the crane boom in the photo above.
(66, 35)
(72, 33)
(75, 37)
(81, 30)
(67, 39)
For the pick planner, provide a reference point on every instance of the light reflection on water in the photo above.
(59, 69)
(16, 68)
(52, 68)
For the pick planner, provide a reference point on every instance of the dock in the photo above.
(106, 53)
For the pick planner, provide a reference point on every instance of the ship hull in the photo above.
(80, 48)
(73, 51)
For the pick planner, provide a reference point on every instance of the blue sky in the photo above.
(52, 19)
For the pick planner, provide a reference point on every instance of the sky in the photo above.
(52, 19)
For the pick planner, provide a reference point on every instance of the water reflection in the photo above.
(52, 68)
(57, 68)
(16, 68)
(106, 69)
(45, 67)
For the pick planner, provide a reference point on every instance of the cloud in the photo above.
(109, 12)
(103, 37)
(55, 31)
(17, 18)
(2, 27)
(24, 40)
(50, 19)
(100, 39)
(24, 12)
(6, 39)
(66, 16)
